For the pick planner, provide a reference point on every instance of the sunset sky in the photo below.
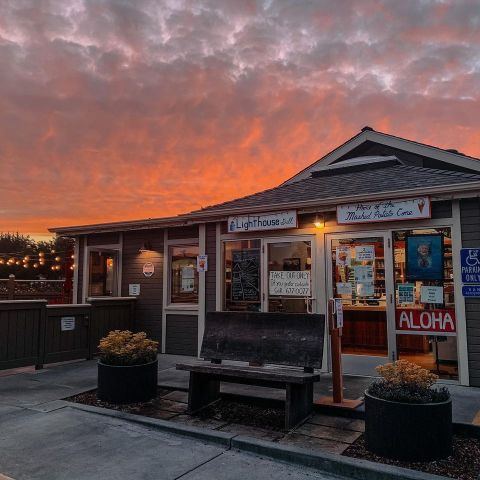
(114, 110)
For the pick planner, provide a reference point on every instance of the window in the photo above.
(102, 280)
(183, 274)
(424, 291)
(242, 275)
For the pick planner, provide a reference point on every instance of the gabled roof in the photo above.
(367, 134)
(329, 187)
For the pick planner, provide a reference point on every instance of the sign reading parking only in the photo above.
(470, 265)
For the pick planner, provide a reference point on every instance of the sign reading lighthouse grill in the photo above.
(263, 221)
(384, 211)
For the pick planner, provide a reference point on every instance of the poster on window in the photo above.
(364, 253)
(343, 256)
(363, 273)
(431, 294)
(406, 293)
(188, 279)
(424, 257)
(344, 288)
(290, 283)
(246, 275)
(365, 289)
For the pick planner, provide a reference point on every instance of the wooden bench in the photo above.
(286, 340)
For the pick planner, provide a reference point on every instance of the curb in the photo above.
(326, 462)
(212, 436)
(329, 462)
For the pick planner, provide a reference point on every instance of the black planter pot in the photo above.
(127, 384)
(408, 431)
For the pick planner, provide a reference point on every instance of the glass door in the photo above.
(290, 280)
(361, 274)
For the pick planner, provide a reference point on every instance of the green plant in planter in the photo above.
(406, 382)
(125, 348)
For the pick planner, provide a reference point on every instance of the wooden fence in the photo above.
(34, 333)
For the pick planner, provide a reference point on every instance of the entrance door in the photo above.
(290, 281)
(361, 274)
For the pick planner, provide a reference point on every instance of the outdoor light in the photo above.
(146, 247)
(319, 222)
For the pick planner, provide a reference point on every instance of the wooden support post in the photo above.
(203, 390)
(337, 374)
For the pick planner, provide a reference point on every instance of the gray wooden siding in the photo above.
(442, 209)
(111, 238)
(211, 273)
(148, 312)
(470, 219)
(182, 335)
(190, 231)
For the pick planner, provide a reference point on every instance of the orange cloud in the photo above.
(118, 110)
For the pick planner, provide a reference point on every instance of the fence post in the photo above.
(11, 287)
(42, 336)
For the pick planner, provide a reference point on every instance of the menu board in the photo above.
(246, 275)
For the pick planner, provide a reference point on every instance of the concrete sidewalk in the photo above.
(44, 438)
(32, 388)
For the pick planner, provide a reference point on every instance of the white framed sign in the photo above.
(148, 269)
(263, 221)
(295, 284)
(67, 323)
(364, 253)
(133, 289)
(384, 211)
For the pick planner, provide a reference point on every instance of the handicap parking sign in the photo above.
(470, 265)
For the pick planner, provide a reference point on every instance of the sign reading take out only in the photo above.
(296, 284)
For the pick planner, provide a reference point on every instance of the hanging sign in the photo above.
(295, 284)
(384, 211)
(263, 221)
(429, 322)
(202, 263)
(148, 269)
(67, 323)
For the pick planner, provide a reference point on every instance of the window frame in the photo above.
(169, 304)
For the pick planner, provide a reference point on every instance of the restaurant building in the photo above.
(388, 225)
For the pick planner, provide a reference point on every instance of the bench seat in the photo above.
(205, 379)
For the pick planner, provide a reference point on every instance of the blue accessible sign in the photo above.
(471, 290)
(470, 265)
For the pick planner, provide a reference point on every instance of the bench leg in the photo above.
(203, 390)
(298, 404)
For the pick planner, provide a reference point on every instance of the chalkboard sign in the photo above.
(246, 275)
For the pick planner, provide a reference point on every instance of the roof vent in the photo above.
(367, 129)
(357, 164)
(454, 150)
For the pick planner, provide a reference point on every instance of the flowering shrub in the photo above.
(122, 347)
(403, 381)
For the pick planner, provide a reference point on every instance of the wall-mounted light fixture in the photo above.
(319, 222)
(146, 247)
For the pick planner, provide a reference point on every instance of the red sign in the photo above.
(441, 322)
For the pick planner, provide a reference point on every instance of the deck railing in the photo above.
(51, 290)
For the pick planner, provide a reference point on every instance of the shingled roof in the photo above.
(384, 178)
